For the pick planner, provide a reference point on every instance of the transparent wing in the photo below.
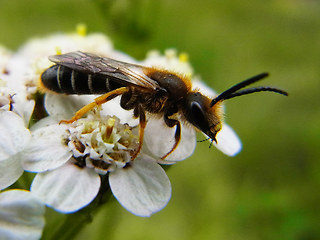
(93, 64)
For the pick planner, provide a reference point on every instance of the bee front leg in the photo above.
(98, 101)
(177, 136)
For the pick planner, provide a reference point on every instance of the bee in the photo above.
(143, 90)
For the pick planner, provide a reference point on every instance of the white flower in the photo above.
(63, 180)
(12, 97)
(17, 102)
(13, 139)
(15, 113)
(21, 215)
(70, 158)
(28, 63)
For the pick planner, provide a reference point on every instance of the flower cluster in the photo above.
(71, 159)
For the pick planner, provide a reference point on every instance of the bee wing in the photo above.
(90, 63)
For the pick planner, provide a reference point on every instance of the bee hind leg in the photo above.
(97, 101)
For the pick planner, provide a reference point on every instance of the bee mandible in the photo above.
(143, 90)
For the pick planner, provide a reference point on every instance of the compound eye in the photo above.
(198, 116)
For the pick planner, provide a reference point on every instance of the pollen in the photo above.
(58, 50)
(81, 29)
(183, 57)
(111, 122)
(110, 125)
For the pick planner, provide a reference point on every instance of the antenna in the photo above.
(233, 91)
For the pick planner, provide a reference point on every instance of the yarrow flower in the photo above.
(70, 158)
(15, 113)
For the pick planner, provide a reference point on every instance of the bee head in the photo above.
(201, 115)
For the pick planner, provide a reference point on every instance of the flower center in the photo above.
(101, 143)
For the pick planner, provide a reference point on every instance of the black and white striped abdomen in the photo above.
(61, 79)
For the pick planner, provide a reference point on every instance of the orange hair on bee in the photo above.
(155, 70)
(42, 88)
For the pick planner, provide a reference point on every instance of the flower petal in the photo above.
(10, 171)
(159, 139)
(68, 188)
(143, 188)
(24, 108)
(21, 215)
(14, 136)
(64, 107)
(204, 89)
(46, 150)
(228, 141)
(113, 108)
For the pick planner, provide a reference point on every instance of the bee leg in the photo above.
(177, 135)
(97, 101)
(139, 112)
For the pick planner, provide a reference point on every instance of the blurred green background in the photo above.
(271, 189)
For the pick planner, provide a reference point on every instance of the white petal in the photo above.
(44, 122)
(14, 136)
(47, 149)
(24, 108)
(204, 89)
(64, 107)
(21, 215)
(142, 188)
(159, 139)
(113, 108)
(10, 171)
(68, 188)
(228, 141)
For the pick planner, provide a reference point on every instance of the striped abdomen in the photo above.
(61, 79)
